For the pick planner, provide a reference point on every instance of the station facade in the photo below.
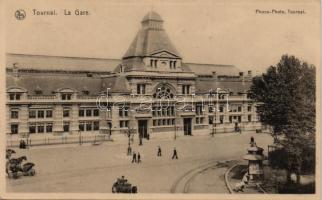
(152, 91)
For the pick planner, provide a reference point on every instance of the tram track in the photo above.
(183, 183)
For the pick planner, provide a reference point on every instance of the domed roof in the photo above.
(152, 16)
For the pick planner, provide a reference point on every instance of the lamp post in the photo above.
(217, 107)
(129, 133)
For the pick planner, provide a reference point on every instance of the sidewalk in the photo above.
(88, 140)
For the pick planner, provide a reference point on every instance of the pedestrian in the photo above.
(134, 157)
(175, 154)
(139, 157)
(159, 151)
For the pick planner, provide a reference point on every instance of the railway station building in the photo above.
(150, 90)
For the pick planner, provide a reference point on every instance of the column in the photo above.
(8, 128)
(103, 121)
(58, 119)
(74, 124)
(23, 120)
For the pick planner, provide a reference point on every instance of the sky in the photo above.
(203, 31)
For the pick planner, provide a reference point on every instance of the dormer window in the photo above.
(38, 90)
(66, 96)
(153, 63)
(85, 91)
(14, 96)
(185, 89)
(173, 64)
(140, 89)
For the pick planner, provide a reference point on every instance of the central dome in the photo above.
(152, 16)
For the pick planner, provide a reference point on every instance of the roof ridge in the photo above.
(57, 56)
(217, 65)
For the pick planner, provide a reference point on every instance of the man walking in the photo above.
(159, 151)
(134, 157)
(175, 154)
(139, 157)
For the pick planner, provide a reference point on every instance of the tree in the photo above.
(286, 96)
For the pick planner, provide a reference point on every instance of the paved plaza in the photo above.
(94, 168)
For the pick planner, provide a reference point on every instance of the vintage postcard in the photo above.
(144, 99)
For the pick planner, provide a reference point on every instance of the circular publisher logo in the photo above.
(20, 14)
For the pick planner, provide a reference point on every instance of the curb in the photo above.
(226, 178)
(228, 185)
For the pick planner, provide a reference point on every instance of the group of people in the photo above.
(136, 157)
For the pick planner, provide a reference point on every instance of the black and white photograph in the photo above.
(142, 99)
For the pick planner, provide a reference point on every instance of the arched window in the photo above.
(163, 91)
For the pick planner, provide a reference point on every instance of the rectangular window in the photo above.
(14, 128)
(96, 125)
(49, 128)
(239, 108)
(66, 127)
(249, 108)
(123, 111)
(40, 128)
(32, 113)
(81, 126)
(221, 119)
(154, 122)
(88, 126)
(124, 124)
(172, 110)
(49, 113)
(230, 119)
(153, 112)
(88, 113)
(14, 114)
(12, 96)
(210, 120)
(41, 114)
(65, 113)
(239, 119)
(249, 118)
(66, 96)
(210, 109)
(140, 88)
(185, 89)
(199, 120)
(18, 96)
(199, 109)
(173, 121)
(32, 128)
(96, 112)
(81, 113)
(221, 109)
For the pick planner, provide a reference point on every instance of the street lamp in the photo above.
(217, 109)
(129, 133)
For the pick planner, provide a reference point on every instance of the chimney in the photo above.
(242, 77)
(15, 70)
(249, 75)
(214, 76)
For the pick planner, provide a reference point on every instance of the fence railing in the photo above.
(57, 140)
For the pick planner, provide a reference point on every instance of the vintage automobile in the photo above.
(122, 186)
